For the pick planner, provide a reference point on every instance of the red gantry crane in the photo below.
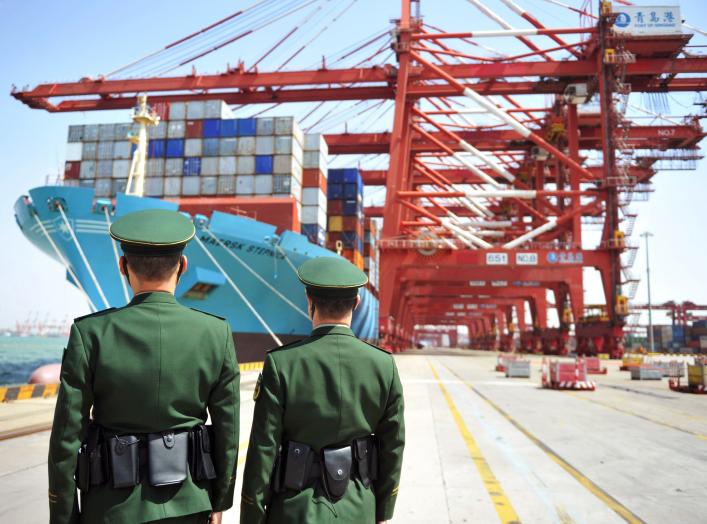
(488, 198)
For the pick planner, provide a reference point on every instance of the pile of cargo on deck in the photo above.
(346, 218)
(371, 235)
(314, 189)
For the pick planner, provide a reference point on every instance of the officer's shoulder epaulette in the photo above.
(289, 345)
(206, 313)
(95, 314)
(374, 346)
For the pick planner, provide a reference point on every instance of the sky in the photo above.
(67, 40)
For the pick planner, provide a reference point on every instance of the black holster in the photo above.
(365, 451)
(124, 453)
(91, 467)
(201, 448)
(336, 472)
(167, 454)
(298, 463)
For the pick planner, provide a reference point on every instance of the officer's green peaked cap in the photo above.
(153, 232)
(331, 277)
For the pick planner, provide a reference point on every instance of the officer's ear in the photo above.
(123, 265)
(183, 264)
(358, 301)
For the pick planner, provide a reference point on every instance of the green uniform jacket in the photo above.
(324, 391)
(150, 366)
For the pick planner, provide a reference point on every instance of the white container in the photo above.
(176, 129)
(104, 169)
(155, 167)
(89, 150)
(313, 196)
(195, 110)
(265, 145)
(90, 133)
(122, 149)
(245, 165)
(227, 185)
(314, 160)
(281, 184)
(154, 187)
(191, 185)
(209, 185)
(228, 147)
(209, 165)
(121, 168)
(246, 145)
(217, 109)
(75, 133)
(73, 151)
(245, 185)
(71, 183)
(88, 169)
(173, 186)
(158, 131)
(315, 142)
(103, 187)
(192, 147)
(105, 150)
(178, 111)
(263, 184)
(314, 215)
(119, 185)
(283, 145)
(121, 131)
(174, 167)
(87, 182)
(265, 126)
(284, 125)
(227, 165)
(106, 132)
(285, 165)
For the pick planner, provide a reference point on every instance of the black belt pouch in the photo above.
(202, 463)
(297, 465)
(124, 460)
(337, 471)
(364, 451)
(167, 457)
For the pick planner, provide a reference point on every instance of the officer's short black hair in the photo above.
(333, 306)
(153, 267)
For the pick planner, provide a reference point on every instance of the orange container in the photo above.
(314, 178)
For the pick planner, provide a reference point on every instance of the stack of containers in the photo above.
(314, 189)
(197, 150)
(345, 209)
(370, 251)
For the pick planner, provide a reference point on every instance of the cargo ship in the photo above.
(258, 190)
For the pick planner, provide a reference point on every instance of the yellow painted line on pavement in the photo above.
(504, 509)
(618, 508)
(700, 436)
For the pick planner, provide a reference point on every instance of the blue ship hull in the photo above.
(204, 286)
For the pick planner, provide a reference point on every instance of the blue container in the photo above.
(678, 334)
(314, 233)
(155, 149)
(263, 164)
(175, 147)
(335, 191)
(212, 128)
(350, 240)
(351, 175)
(246, 126)
(352, 191)
(210, 146)
(229, 127)
(192, 166)
(133, 148)
(352, 208)
(335, 176)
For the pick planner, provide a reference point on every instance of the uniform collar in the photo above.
(162, 297)
(332, 329)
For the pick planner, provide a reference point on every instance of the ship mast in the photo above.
(143, 116)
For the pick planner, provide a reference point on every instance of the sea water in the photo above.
(19, 356)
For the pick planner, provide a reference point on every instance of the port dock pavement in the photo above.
(483, 448)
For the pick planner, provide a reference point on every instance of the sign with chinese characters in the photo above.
(565, 257)
(648, 20)
(497, 259)
(526, 259)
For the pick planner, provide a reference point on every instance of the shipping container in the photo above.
(286, 165)
(227, 185)
(192, 147)
(178, 111)
(103, 187)
(281, 184)
(210, 146)
(192, 167)
(157, 149)
(154, 187)
(313, 196)
(229, 128)
(263, 184)
(88, 169)
(176, 129)
(314, 233)
(122, 150)
(336, 223)
(245, 185)
(194, 129)
(212, 128)
(121, 168)
(155, 167)
(209, 185)
(106, 132)
(314, 215)
(174, 167)
(175, 148)
(75, 134)
(90, 133)
(191, 186)
(284, 145)
(246, 145)
(228, 146)
(74, 151)
(173, 186)
(314, 178)
(227, 165)
(245, 165)
(316, 142)
(217, 109)
(195, 110)
(104, 169)
(209, 165)
(265, 126)
(122, 131)
(72, 170)
(263, 164)
(335, 207)
(278, 211)
(335, 191)
(247, 127)
(265, 145)
(89, 150)
(158, 131)
(352, 208)
(119, 185)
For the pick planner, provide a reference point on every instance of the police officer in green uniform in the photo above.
(328, 432)
(136, 384)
